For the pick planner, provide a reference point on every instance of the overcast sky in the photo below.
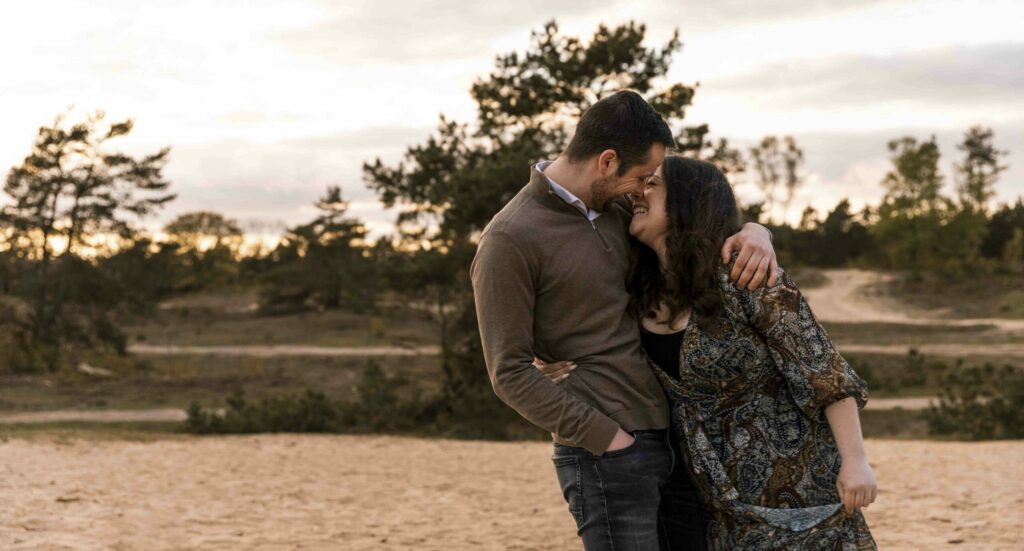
(266, 103)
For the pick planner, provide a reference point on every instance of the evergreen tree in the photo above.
(978, 173)
(449, 187)
(71, 188)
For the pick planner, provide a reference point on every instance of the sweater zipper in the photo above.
(604, 242)
(593, 223)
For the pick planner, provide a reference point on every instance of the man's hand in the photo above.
(622, 440)
(756, 258)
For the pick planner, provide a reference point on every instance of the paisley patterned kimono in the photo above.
(749, 410)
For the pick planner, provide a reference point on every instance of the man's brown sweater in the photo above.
(550, 284)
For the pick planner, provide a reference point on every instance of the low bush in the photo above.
(311, 412)
(380, 402)
(899, 374)
(979, 403)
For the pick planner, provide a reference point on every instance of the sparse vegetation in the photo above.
(979, 403)
(380, 402)
(112, 285)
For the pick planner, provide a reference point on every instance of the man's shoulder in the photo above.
(515, 217)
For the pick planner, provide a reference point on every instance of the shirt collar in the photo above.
(565, 194)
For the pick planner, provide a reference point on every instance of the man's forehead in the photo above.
(644, 170)
(657, 155)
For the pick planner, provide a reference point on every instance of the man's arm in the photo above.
(756, 259)
(503, 287)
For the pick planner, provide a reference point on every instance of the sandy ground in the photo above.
(350, 492)
(946, 349)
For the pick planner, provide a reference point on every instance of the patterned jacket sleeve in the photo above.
(816, 374)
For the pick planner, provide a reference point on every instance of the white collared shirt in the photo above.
(566, 195)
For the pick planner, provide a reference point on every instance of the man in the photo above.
(549, 281)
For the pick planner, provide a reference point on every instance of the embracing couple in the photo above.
(694, 400)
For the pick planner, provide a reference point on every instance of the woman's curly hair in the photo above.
(702, 213)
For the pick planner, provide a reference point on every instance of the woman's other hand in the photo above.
(556, 371)
(856, 485)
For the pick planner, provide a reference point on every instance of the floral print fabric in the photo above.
(749, 410)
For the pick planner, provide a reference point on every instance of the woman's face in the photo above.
(650, 217)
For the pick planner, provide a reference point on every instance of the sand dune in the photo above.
(351, 492)
(846, 297)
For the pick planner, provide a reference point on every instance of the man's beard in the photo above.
(603, 192)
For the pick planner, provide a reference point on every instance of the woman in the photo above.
(764, 409)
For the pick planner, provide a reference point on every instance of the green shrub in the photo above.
(387, 403)
(979, 403)
(311, 412)
(382, 403)
(898, 374)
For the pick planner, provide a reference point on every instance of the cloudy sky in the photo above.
(265, 103)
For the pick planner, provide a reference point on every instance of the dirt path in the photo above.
(845, 298)
(910, 404)
(285, 350)
(286, 491)
(955, 350)
(101, 416)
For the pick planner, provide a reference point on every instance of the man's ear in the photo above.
(607, 162)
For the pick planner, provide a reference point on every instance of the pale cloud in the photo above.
(267, 103)
(988, 74)
(372, 32)
(281, 179)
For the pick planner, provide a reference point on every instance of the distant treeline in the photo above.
(915, 227)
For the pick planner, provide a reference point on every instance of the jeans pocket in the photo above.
(570, 474)
(623, 451)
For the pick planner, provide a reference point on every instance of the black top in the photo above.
(663, 350)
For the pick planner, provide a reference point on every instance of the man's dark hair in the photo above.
(623, 122)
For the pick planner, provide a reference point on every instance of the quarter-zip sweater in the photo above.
(550, 284)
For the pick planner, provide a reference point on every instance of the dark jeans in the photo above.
(614, 497)
(682, 519)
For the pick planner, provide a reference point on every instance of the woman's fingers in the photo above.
(555, 371)
(850, 502)
(869, 495)
(846, 496)
(854, 498)
(564, 373)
